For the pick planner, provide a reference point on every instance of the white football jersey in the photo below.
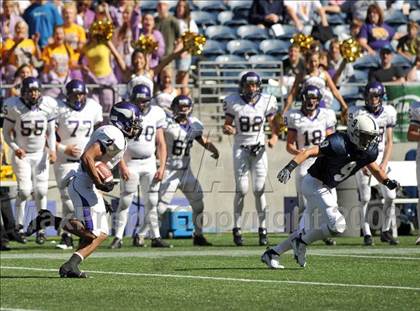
(76, 127)
(30, 126)
(249, 119)
(114, 142)
(415, 120)
(179, 140)
(145, 145)
(310, 131)
(385, 118)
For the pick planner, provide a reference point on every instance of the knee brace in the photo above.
(337, 226)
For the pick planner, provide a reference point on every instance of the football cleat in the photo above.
(69, 271)
(40, 238)
(116, 243)
(237, 237)
(66, 242)
(299, 250)
(368, 240)
(158, 242)
(386, 236)
(200, 240)
(269, 258)
(329, 242)
(21, 237)
(263, 240)
(138, 241)
(418, 241)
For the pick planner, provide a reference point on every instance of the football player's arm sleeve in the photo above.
(88, 161)
(51, 137)
(9, 138)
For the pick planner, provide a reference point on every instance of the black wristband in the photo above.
(390, 184)
(291, 166)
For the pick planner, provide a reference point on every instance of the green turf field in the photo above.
(347, 276)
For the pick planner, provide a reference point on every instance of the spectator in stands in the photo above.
(117, 12)
(183, 63)
(59, 58)
(414, 73)
(102, 12)
(302, 13)
(375, 33)
(167, 92)
(41, 17)
(22, 72)
(355, 27)
(9, 19)
(409, 45)
(266, 12)
(356, 9)
(96, 65)
(75, 35)
(387, 72)
(292, 65)
(122, 38)
(315, 75)
(149, 29)
(168, 25)
(20, 50)
(85, 16)
(339, 69)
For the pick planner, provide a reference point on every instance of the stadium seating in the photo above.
(401, 61)
(285, 31)
(415, 16)
(336, 18)
(359, 76)
(242, 47)
(274, 46)
(219, 32)
(209, 5)
(228, 18)
(395, 17)
(203, 18)
(214, 48)
(367, 62)
(252, 32)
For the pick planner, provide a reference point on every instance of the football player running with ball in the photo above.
(77, 116)
(29, 130)
(245, 115)
(413, 134)
(180, 135)
(339, 156)
(385, 116)
(307, 127)
(107, 144)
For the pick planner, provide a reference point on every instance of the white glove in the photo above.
(284, 175)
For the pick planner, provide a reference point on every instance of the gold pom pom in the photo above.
(350, 50)
(146, 44)
(102, 30)
(193, 42)
(303, 41)
(279, 123)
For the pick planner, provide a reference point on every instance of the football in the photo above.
(104, 172)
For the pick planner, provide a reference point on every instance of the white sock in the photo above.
(238, 206)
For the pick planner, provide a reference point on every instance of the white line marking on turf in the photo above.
(200, 277)
(14, 309)
(380, 253)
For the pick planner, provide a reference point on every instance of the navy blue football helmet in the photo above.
(181, 107)
(30, 98)
(141, 96)
(374, 90)
(76, 92)
(126, 116)
(311, 96)
(247, 79)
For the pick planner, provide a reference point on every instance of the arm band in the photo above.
(291, 166)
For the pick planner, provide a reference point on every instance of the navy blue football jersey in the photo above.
(339, 159)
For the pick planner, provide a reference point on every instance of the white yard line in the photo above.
(212, 278)
(14, 309)
(368, 253)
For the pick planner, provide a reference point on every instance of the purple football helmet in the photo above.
(126, 116)
(76, 92)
